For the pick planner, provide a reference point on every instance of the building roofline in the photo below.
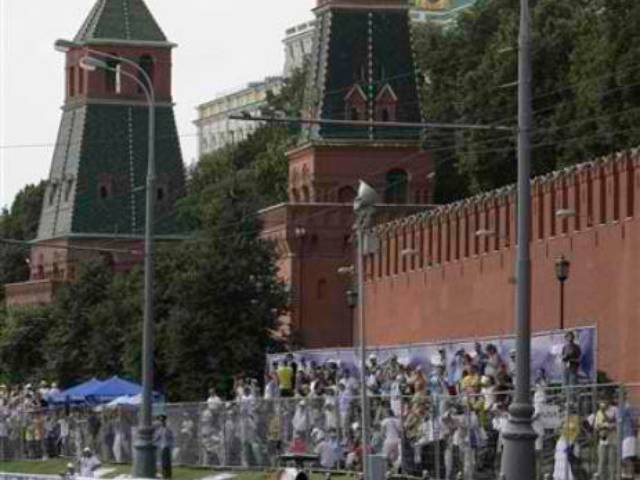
(246, 88)
(125, 42)
(106, 236)
(337, 142)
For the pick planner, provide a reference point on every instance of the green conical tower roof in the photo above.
(120, 21)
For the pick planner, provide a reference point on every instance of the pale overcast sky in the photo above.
(221, 44)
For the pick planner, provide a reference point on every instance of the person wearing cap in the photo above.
(164, 441)
(571, 355)
(88, 463)
(605, 426)
(494, 361)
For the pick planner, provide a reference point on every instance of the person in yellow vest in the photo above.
(285, 379)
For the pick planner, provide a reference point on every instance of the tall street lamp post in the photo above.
(518, 458)
(562, 274)
(145, 460)
(364, 207)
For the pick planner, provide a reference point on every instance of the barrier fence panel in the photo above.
(582, 432)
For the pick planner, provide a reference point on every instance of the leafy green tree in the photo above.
(586, 100)
(222, 300)
(22, 335)
(19, 223)
(67, 346)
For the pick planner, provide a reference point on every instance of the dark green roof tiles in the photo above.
(370, 48)
(99, 169)
(124, 20)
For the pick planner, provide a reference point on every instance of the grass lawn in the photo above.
(58, 466)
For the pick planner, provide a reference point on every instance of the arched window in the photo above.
(397, 183)
(346, 194)
(160, 194)
(147, 64)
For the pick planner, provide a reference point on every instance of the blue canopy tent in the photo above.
(95, 391)
(76, 394)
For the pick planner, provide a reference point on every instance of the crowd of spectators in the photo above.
(445, 418)
(33, 427)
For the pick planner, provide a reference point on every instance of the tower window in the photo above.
(160, 194)
(67, 191)
(80, 81)
(71, 81)
(386, 103)
(355, 104)
(397, 186)
(104, 188)
(53, 192)
(147, 64)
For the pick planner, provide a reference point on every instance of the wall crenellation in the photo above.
(603, 191)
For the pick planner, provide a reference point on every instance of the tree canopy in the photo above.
(585, 97)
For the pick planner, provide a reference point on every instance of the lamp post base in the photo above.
(144, 462)
(518, 456)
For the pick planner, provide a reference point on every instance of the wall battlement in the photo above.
(596, 193)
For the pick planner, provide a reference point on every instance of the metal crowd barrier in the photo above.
(438, 436)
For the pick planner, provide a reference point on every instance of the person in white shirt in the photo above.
(392, 432)
(271, 388)
(88, 463)
(214, 402)
(329, 450)
(65, 435)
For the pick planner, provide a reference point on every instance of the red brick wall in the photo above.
(461, 285)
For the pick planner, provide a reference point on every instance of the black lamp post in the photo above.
(352, 298)
(562, 274)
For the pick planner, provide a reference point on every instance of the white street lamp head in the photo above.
(485, 233)
(347, 270)
(91, 64)
(565, 213)
(367, 197)
(409, 252)
(64, 46)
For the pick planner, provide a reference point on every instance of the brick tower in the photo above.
(362, 68)
(96, 191)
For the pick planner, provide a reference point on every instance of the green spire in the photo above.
(120, 20)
